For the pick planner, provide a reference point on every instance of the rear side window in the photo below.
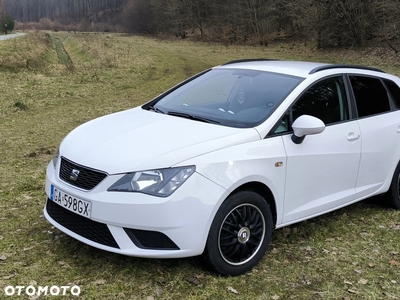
(394, 90)
(370, 95)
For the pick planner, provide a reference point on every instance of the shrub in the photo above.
(6, 19)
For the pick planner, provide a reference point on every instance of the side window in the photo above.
(325, 100)
(283, 125)
(370, 95)
(394, 90)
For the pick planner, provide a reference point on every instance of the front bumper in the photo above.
(136, 224)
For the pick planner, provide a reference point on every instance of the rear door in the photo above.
(377, 101)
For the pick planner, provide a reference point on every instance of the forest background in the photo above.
(321, 23)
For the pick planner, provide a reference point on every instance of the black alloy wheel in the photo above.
(239, 234)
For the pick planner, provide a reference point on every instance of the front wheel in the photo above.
(239, 234)
(393, 195)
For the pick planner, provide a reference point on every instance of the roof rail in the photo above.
(327, 67)
(247, 60)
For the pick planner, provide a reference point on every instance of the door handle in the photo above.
(398, 129)
(352, 137)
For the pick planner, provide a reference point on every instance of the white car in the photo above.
(216, 163)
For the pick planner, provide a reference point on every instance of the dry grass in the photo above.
(350, 254)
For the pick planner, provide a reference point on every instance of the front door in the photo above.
(322, 171)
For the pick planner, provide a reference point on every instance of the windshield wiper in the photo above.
(192, 117)
(156, 109)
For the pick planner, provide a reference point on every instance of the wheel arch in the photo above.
(264, 191)
(386, 185)
(393, 193)
(256, 193)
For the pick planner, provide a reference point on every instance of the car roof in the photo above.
(294, 68)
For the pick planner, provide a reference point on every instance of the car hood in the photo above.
(138, 139)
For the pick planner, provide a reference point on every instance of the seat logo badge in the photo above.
(74, 175)
(243, 235)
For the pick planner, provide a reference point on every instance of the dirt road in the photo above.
(10, 36)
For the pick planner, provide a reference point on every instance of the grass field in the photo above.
(52, 82)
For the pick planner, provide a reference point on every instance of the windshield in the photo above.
(230, 97)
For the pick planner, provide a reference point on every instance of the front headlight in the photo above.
(161, 183)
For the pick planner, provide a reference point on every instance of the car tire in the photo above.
(393, 194)
(239, 234)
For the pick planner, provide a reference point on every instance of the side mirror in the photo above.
(306, 125)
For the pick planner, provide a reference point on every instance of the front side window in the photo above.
(230, 97)
(370, 95)
(326, 100)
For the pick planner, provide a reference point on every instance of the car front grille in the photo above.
(80, 176)
(92, 230)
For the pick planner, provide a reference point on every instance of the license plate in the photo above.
(76, 205)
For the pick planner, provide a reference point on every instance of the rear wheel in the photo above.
(393, 195)
(239, 234)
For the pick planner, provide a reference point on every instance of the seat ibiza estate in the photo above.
(213, 165)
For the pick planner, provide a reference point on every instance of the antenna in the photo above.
(347, 55)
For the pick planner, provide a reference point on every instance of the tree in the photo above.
(386, 15)
(138, 16)
(34, 10)
(333, 22)
(352, 20)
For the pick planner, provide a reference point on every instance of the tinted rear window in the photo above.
(370, 95)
